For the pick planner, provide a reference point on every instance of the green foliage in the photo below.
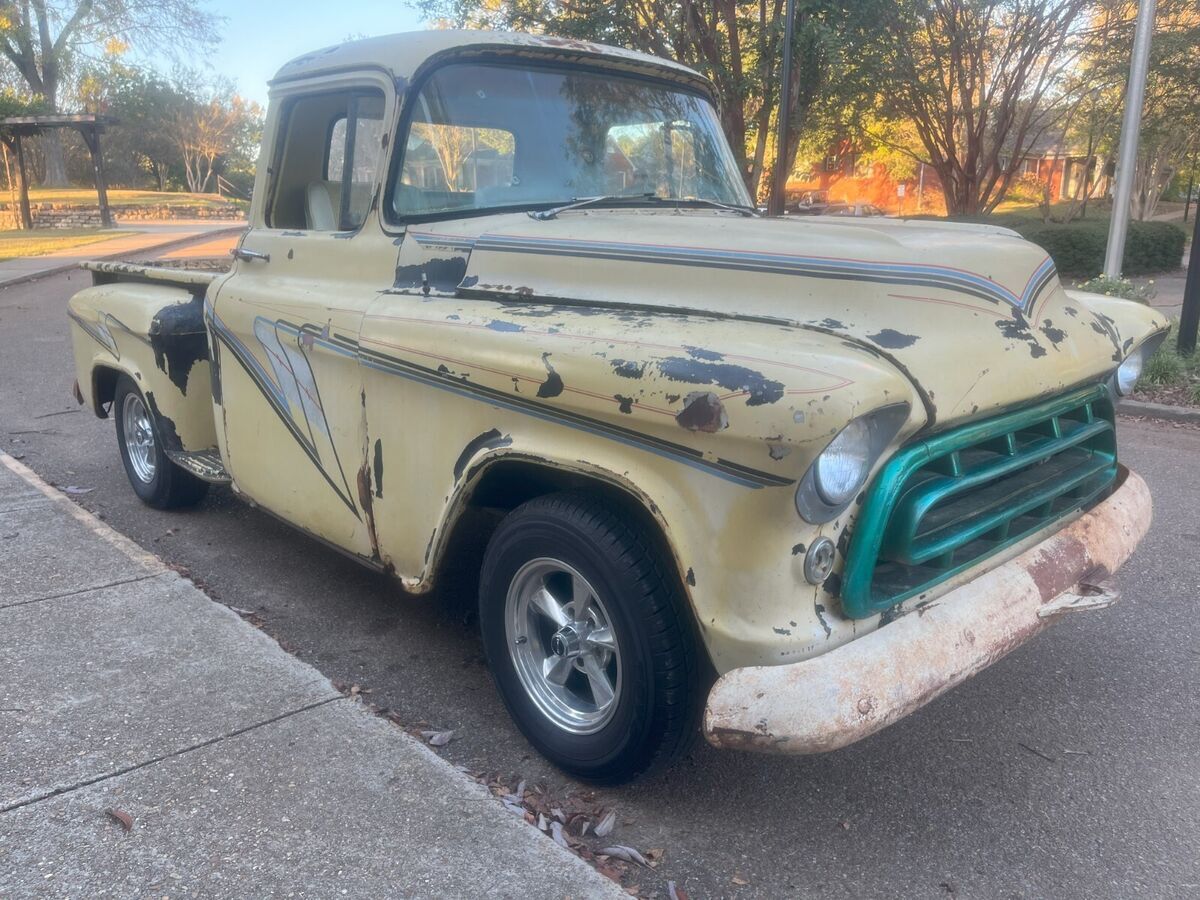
(1078, 247)
(181, 131)
(13, 104)
(1164, 368)
(1119, 287)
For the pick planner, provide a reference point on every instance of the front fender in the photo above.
(1126, 322)
(723, 497)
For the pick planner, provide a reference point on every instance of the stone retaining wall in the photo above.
(63, 215)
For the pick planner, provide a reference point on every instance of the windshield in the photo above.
(485, 137)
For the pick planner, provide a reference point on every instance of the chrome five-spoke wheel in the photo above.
(139, 438)
(562, 645)
(584, 630)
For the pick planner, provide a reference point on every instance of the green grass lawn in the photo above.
(87, 197)
(20, 244)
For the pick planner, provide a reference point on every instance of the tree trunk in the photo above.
(55, 158)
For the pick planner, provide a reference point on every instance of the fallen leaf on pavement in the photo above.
(620, 851)
(606, 825)
(653, 856)
(76, 489)
(675, 892)
(122, 817)
(738, 879)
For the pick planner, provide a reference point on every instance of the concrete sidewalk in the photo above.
(123, 246)
(123, 688)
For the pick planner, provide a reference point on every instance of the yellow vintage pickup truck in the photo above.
(778, 481)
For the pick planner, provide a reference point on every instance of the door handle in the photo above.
(249, 255)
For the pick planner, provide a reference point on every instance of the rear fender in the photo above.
(154, 334)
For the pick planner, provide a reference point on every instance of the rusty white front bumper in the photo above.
(844, 695)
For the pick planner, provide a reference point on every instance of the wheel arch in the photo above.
(104, 386)
(502, 482)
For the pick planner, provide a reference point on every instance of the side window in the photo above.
(326, 170)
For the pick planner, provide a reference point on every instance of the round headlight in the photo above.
(1129, 372)
(842, 468)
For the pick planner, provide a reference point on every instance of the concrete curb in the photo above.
(174, 244)
(1187, 414)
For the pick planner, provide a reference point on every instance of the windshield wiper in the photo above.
(648, 197)
(717, 204)
(580, 202)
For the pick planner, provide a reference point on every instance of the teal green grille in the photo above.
(945, 503)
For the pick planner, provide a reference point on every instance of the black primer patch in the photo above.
(553, 385)
(891, 339)
(691, 578)
(442, 275)
(833, 585)
(377, 465)
(625, 404)
(731, 377)
(820, 609)
(798, 549)
(179, 339)
(628, 368)
(165, 425)
(489, 440)
(1055, 335)
(1017, 329)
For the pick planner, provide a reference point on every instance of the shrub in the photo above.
(1164, 367)
(1077, 248)
(1119, 287)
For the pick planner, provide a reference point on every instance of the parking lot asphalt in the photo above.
(1067, 770)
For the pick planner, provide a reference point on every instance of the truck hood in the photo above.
(975, 316)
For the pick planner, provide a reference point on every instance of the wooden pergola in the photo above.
(14, 129)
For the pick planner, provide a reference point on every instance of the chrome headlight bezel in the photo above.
(816, 502)
(1125, 376)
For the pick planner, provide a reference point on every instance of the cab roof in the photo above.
(404, 55)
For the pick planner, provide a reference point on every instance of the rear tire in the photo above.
(156, 480)
(588, 638)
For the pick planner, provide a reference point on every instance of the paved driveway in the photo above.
(1070, 769)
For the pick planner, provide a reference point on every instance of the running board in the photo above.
(204, 464)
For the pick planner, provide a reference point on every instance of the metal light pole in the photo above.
(1189, 316)
(1187, 200)
(1130, 126)
(779, 175)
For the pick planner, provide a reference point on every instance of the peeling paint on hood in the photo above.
(976, 317)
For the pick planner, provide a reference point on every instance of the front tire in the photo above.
(587, 637)
(156, 480)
